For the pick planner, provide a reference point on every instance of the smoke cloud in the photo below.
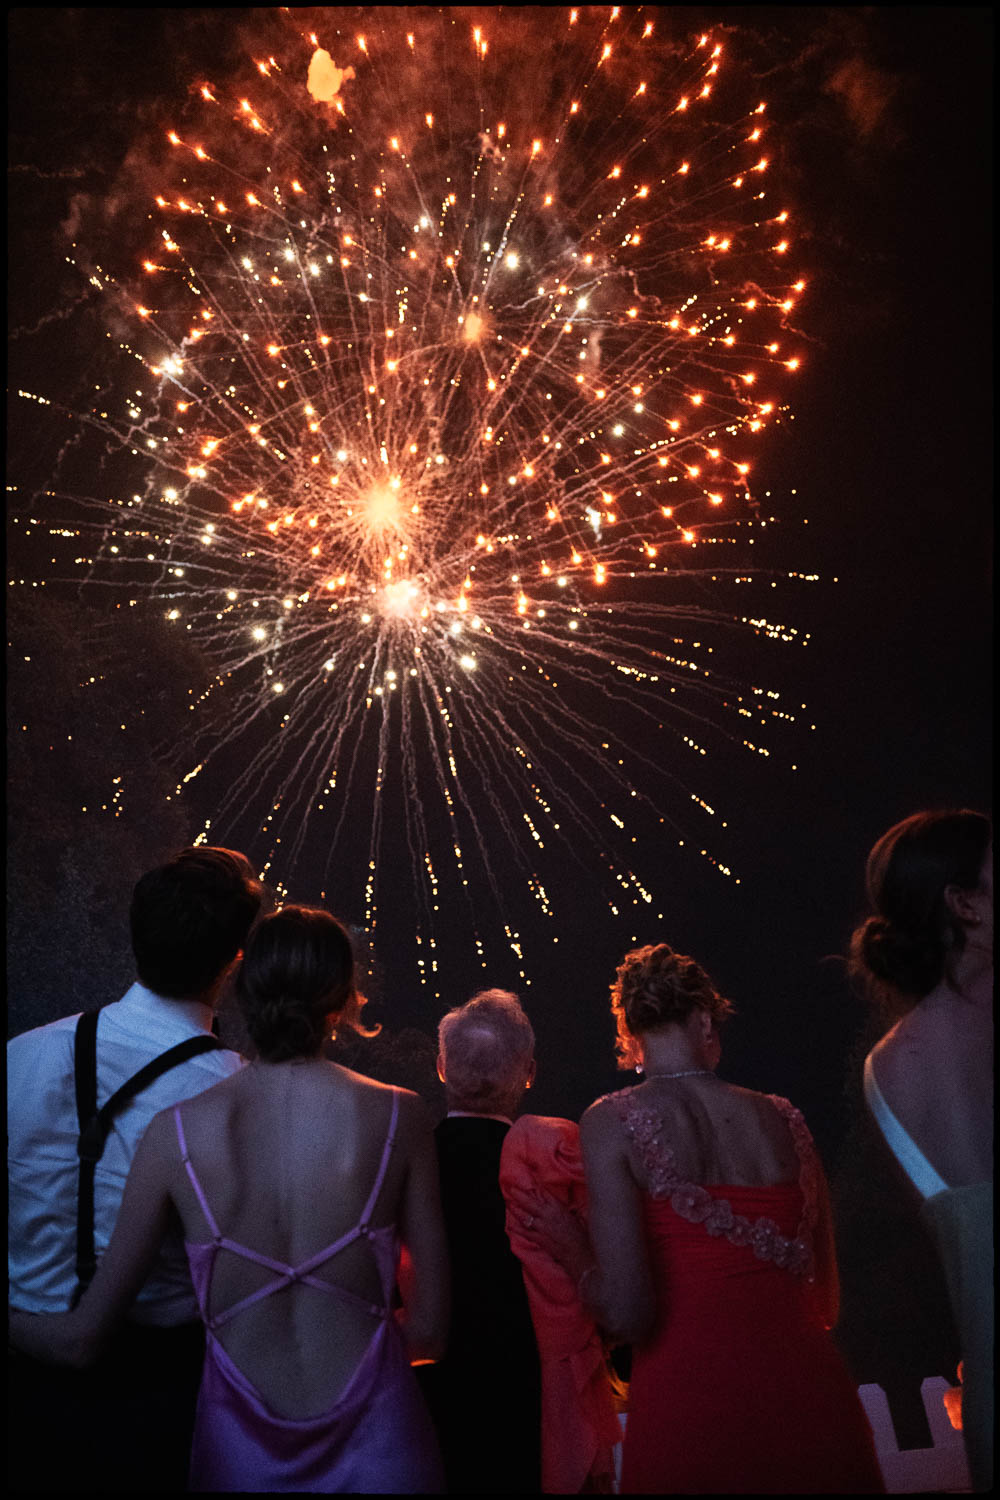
(325, 78)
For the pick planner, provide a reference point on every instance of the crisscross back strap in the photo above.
(287, 1275)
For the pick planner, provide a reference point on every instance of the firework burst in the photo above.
(458, 333)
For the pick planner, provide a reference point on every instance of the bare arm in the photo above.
(426, 1291)
(619, 1291)
(77, 1337)
(606, 1259)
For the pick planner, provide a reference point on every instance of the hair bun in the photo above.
(910, 962)
(298, 969)
(288, 1025)
(906, 948)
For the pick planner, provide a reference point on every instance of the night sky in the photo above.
(881, 482)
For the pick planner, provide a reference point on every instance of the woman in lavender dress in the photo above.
(294, 1181)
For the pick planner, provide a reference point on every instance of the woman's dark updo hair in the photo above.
(298, 969)
(654, 986)
(903, 951)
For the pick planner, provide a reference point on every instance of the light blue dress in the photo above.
(960, 1220)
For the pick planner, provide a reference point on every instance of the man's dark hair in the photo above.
(190, 917)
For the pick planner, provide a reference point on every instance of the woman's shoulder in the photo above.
(212, 1105)
(785, 1107)
(629, 1116)
(413, 1111)
(940, 1019)
(382, 1098)
(198, 1115)
(795, 1120)
(916, 1035)
(605, 1123)
(609, 1109)
(885, 1057)
(162, 1136)
(369, 1087)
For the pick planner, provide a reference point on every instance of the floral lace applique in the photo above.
(806, 1152)
(694, 1203)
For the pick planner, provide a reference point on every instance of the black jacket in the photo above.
(485, 1394)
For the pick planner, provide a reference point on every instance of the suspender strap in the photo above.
(95, 1124)
(85, 1069)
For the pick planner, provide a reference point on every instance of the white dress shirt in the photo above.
(41, 1150)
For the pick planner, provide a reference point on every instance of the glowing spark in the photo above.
(437, 387)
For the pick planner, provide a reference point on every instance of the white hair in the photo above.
(486, 1046)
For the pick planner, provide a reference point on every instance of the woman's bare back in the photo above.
(935, 1072)
(719, 1133)
(287, 1155)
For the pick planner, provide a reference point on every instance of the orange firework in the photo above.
(460, 346)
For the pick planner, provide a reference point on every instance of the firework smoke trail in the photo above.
(460, 330)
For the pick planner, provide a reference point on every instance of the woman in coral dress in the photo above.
(710, 1250)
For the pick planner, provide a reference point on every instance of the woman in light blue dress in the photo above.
(926, 952)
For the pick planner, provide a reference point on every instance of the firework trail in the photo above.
(459, 331)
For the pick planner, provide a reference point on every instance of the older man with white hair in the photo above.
(485, 1394)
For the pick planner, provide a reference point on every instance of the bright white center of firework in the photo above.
(472, 328)
(382, 509)
(402, 600)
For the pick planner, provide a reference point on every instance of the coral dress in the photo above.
(376, 1438)
(739, 1389)
(579, 1423)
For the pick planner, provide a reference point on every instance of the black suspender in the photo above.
(95, 1124)
(85, 1066)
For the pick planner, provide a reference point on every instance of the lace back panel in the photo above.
(693, 1202)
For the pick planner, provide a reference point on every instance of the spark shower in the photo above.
(458, 333)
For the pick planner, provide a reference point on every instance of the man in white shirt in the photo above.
(125, 1424)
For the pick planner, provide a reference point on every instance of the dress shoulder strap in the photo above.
(644, 1128)
(383, 1165)
(925, 1178)
(286, 1275)
(193, 1176)
(805, 1150)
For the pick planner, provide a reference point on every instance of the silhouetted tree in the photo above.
(89, 804)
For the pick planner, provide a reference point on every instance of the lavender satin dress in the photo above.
(377, 1437)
